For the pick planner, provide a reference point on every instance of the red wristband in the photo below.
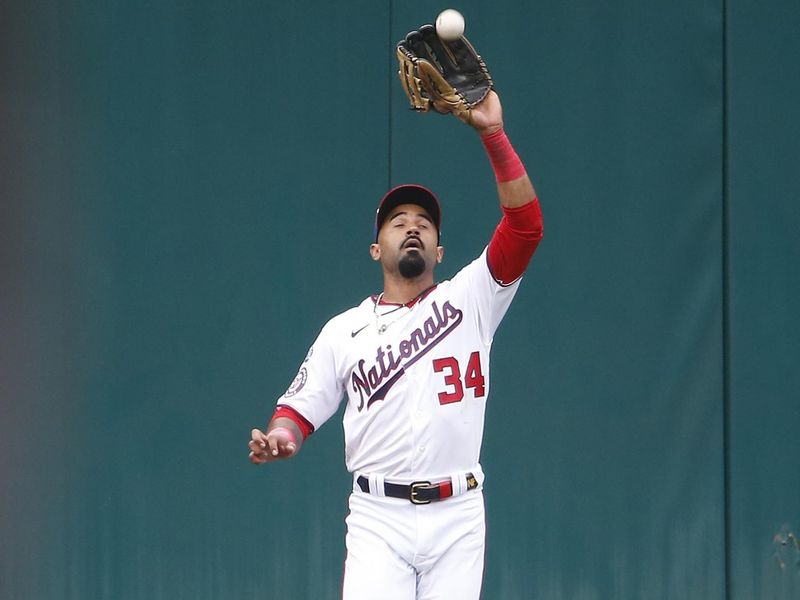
(505, 162)
(306, 428)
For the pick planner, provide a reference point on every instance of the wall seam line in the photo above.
(390, 62)
(726, 342)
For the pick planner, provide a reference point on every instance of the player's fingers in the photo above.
(258, 458)
(272, 445)
(286, 448)
(257, 436)
(256, 447)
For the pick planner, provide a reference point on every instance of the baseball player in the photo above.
(412, 364)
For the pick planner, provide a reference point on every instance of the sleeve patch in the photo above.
(297, 384)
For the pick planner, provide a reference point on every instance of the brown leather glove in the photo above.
(450, 76)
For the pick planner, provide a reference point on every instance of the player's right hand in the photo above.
(275, 445)
(487, 117)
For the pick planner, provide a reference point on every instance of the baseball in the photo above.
(450, 25)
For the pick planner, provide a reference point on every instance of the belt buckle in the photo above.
(414, 490)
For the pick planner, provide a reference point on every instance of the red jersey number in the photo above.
(473, 378)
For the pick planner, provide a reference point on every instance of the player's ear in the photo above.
(439, 254)
(375, 251)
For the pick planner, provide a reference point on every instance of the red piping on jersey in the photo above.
(514, 241)
(305, 426)
(408, 304)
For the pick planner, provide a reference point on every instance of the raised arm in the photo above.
(514, 187)
(521, 229)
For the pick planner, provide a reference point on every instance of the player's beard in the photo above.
(411, 265)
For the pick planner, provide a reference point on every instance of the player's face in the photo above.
(408, 242)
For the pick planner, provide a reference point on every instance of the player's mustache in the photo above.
(413, 238)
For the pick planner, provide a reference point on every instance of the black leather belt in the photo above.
(419, 492)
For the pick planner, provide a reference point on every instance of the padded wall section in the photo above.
(603, 445)
(763, 155)
(181, 213)
(181, 217)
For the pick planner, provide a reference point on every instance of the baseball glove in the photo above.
(450, 76)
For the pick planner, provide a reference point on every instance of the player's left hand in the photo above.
(487, 117)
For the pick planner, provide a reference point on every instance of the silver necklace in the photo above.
(383, 327)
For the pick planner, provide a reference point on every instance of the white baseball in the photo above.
(450, 25)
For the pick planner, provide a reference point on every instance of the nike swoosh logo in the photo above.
(355, 332)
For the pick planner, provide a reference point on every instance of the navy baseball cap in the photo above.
(408, 193)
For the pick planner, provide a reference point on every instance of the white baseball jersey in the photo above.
(416, 379)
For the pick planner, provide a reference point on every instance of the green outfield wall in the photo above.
(187, 191)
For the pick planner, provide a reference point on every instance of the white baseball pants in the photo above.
(400, 551)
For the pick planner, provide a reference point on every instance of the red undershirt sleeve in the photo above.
(520, 230)
(514, 241)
